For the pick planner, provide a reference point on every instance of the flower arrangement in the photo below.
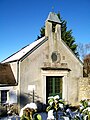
(85, 109)
(27, 112)
(55, 103)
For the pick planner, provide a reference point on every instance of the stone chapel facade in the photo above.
(46, 67)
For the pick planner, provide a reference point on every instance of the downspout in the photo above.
(17, 72)
(18, 85)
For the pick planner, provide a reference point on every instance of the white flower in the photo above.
(21, 112)
(50, 103)
(60, 105)
(50, 115)
(66, 118)
(56, 97)
(30, 105)
(51, 97)
(81, 107)
(84, 99)
(88, 103)
(86, 116)
(56, 101)
(88, 108)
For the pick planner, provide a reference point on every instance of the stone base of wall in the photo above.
(84, 88)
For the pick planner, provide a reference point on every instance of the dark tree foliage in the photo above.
(66, 35)
(83, 49)
(42, 32)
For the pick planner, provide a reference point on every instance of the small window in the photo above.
(63, 57)
(53, 27)
(3, 96)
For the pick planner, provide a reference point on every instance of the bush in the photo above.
(3, 111)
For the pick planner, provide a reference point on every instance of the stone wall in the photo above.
(84, 88)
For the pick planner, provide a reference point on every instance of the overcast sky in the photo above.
(21, 20)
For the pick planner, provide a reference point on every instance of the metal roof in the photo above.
(53, 18)
(18, 55)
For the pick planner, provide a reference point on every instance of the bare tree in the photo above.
(87, 66)
(83, 50)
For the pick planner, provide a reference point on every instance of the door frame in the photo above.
(65, 78)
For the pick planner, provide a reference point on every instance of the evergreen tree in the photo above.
(66, 35)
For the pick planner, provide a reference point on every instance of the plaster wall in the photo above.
(14, 69)
(30, 73)
(76, 72)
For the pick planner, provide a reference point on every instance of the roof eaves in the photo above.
(5, 85)
(22, 52)
(11, 61)
(12, 55)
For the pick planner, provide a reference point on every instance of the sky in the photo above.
(21, 20)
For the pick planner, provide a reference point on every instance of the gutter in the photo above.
(17, 72)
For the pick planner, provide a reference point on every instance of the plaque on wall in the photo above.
(55, 56)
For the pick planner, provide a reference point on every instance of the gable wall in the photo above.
(30, 72)
(76, 72)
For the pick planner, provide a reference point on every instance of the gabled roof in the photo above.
(52, 17)
(21, 53)
(6, 75)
